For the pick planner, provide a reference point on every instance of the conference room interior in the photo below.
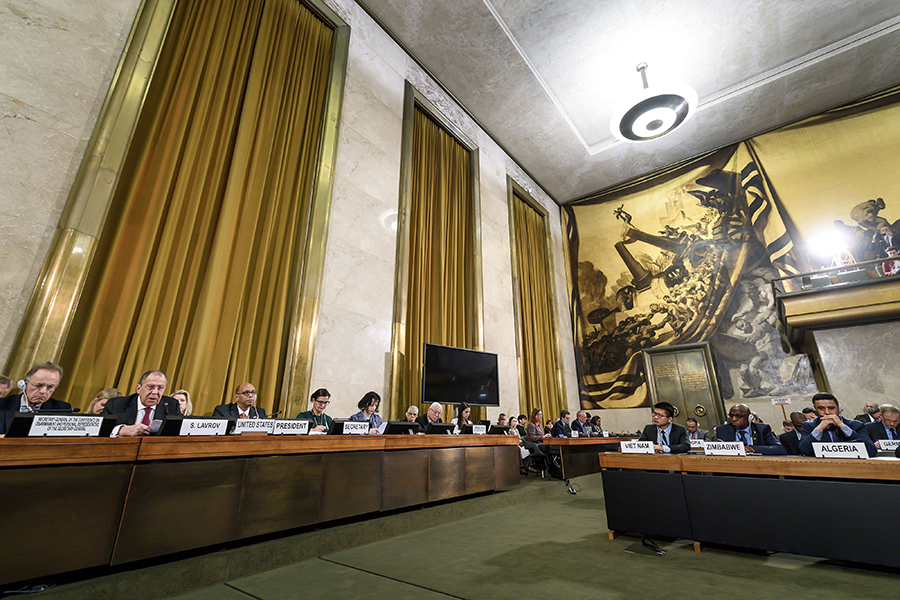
(258, 232)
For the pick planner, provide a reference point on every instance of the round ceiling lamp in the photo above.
(654, 112)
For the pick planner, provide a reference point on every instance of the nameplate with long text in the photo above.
(65, 426)
(356, 427)
(479, 429)
(889, 445)
(635, 447)
(204, 427)
(724, 449)
(254, 425)
(291, 427)
(840, 450)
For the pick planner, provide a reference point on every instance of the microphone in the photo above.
(275, 414)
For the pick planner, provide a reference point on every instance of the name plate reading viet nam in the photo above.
(291, 427)
(840, 450)
(889, 445)
(254, 425)
(204, 427)
(724, 449)
(356, 427)
(635, 447)
(65, 426)
(479, 429)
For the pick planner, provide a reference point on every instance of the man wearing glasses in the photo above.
(667, 437)
(432, 416)
(757, 437)
(887, 428)
(244, 405)
(39, 383)
(318, 402)
(136, 412)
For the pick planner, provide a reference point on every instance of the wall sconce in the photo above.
(654, 112)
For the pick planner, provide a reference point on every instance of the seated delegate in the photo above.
(368, 411)
(37, 387)
(136, 411)
(318, 402)
(243, 406)
(667, 437)
(830, 426)
(757, 437)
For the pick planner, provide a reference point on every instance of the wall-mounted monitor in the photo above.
(455, 375)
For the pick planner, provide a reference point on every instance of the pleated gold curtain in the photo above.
(440, 294)
(198, 262)
(538, 367)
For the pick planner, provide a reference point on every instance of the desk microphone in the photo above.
(275, 414)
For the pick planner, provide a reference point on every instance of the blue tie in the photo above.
(745, 438)
(891, 433)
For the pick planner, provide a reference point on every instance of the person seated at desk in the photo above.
(5, 383)
(412, 413)
(501, 419)
(596, 426)
(831, 427)
(757, 437)
(513, 430)
(791, 439)
(184, 402)
(36, 389)
(694, 431)
(318, 402)
(243, 406)
(582, 425)
(886, 428)
(368, 411)
(462, 417)
(535, 431)
(866, 416)
(432, 415)
(810, 413)
(667, 437)
(136, 411)
(561, 428)
(522, 422)
(99, 402)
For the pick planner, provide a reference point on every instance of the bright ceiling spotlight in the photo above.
(654, 112)
(827, 244)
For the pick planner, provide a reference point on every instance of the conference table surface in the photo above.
(578, 456)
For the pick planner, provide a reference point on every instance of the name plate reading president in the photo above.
(840, 450)
(636, 447)
(356, 427)
(65, 426)
(724, 449)
(204, 427)
(291, 427)
(266, 425)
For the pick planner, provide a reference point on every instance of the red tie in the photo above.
(147, 411)
(243, 415)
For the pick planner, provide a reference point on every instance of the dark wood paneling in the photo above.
(446, 473)
(280, 492)
(506, 466)
(175, 506)
(479, 470)
(405, 479)
(351, 484)
(51, 512)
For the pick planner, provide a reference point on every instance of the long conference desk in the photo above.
(840, 509)
(74, 504)
(578, 456)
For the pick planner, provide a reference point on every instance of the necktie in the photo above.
(694, 435)
(745, 438)
(892, 434)
(146, 419)
(243, 415)
(665, 441)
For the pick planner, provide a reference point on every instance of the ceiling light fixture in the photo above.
(654, 112)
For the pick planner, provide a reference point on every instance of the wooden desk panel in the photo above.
(351, 484)
(22, 452)
(405, 479)
(578, 456)
(641, 462)
(446, 473)
(479, 470)
(181, 448)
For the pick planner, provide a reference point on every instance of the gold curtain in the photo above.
(440, 299)
(538, 368)
(197, 265)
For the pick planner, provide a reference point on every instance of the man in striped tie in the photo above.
(887, 427)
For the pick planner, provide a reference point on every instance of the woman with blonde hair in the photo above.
(184, 402)
(99, 402)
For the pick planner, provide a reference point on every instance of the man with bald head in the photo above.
(243, 406)
(791, 439)
(757, 437)
(147, 404)
(869, 409)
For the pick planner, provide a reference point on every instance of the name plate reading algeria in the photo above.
(479, 429)
(356, 427)
(636, 447)
(65, 426)
(889, 445)
(724, 449)
(840, 450)
(204, 427)
(266, 425)
(291, 427)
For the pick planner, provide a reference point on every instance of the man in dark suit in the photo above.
(667, 437)
(561, 428)
(243, 406)
(886, 428)
(581, 425)
(147, 404)
(432, 415)
(757, 437)
(791, 439)
(829, 426)
(39, 383)
(694, 431)
(868, 410)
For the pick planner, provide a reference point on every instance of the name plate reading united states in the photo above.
(204, 427)
(356, 427)
(696, 444)
(636, 447)
(265, 425)
(724, 449)
(291, 427)
(65, 426)
(889, 445)
(840, 450)
(479, 429)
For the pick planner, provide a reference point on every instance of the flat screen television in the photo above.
(455, 375)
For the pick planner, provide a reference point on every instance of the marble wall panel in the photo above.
(364, 165)
(372, 119)
(356, 280)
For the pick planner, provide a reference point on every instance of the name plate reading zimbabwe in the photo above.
(479, 429)
(889, 445)
(291, 427)
(204, 427)
(637, 447)
(254, 425)
(65, 426)
(840, 450)
(356, 427)
(724, 449)
(696, 444)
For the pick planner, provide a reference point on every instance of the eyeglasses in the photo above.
(44, 386)
(323, 402)
(248, 393)
(657, 415)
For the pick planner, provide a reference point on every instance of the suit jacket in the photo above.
(877, 431)
(678, 438)
(764, 440)
(864, 418)
(791, 442)
(9, 406)
(231, 411)
(423, 421)
(857, 434)
(583, 430)
(702, 434)
(125, 408)
(560, 429)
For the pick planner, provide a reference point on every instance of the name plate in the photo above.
(356, 428)
(889, 445)
(479, 429)
(724, 449)
(840, 450)
(266, 425)
(204, 426)
(291, 427)
(574, 434)
(65, 426)
(696, 444)
(634, 447)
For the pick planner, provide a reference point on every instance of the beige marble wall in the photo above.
(57, 58)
